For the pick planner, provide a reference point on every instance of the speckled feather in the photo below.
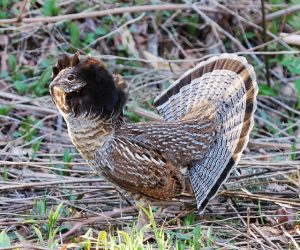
(208, 113)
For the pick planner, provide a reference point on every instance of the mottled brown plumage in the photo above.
(208, 116)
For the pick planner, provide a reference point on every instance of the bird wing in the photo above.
(140, 168)
(182, 142)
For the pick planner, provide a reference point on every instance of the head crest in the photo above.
(65, 62)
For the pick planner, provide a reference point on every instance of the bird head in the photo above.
(85, 87)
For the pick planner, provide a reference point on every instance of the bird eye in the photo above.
(71, 77)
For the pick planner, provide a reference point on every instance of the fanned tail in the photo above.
(227, 85)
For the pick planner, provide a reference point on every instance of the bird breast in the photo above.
(89, 135)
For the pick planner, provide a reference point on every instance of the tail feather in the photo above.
(228, 84)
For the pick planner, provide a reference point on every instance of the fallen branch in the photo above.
(247, 195)
(261, 234)
(291, 39)
(271, 145)
(147, 114)
(92, 220)
(100, 13)
(46, 184)
(281, 13)
(287, 234)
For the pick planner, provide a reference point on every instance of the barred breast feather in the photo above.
(226, 86)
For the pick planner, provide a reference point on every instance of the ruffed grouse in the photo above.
(208, 115)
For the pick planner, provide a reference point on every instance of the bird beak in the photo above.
(55, 91)
(58, 92)
(58, 95)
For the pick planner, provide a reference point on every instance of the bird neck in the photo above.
(91, 133)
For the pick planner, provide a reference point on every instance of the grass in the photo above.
(51, 199)
(188, 237)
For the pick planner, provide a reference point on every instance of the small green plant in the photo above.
(189, 219)
(40, 207)
(50, 8)
(196, 237)
(28, 128)
(51, 228)
(298, 217)
(294, 151)
(159, 234)
(12, 62)
(87, 243)
(261, 216)
(40, 87)
(190, 23)
(5, 109)
(5, 174)
(75, 35)
(3, 9)
(102, 240)
(292, 64)
(132, 116)
(294, 20)
(119, 240)
(189, 238)
(35, 148)
(4, 240)
(67, 158)
(265, 90)
(16, 77)
(297, 86)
